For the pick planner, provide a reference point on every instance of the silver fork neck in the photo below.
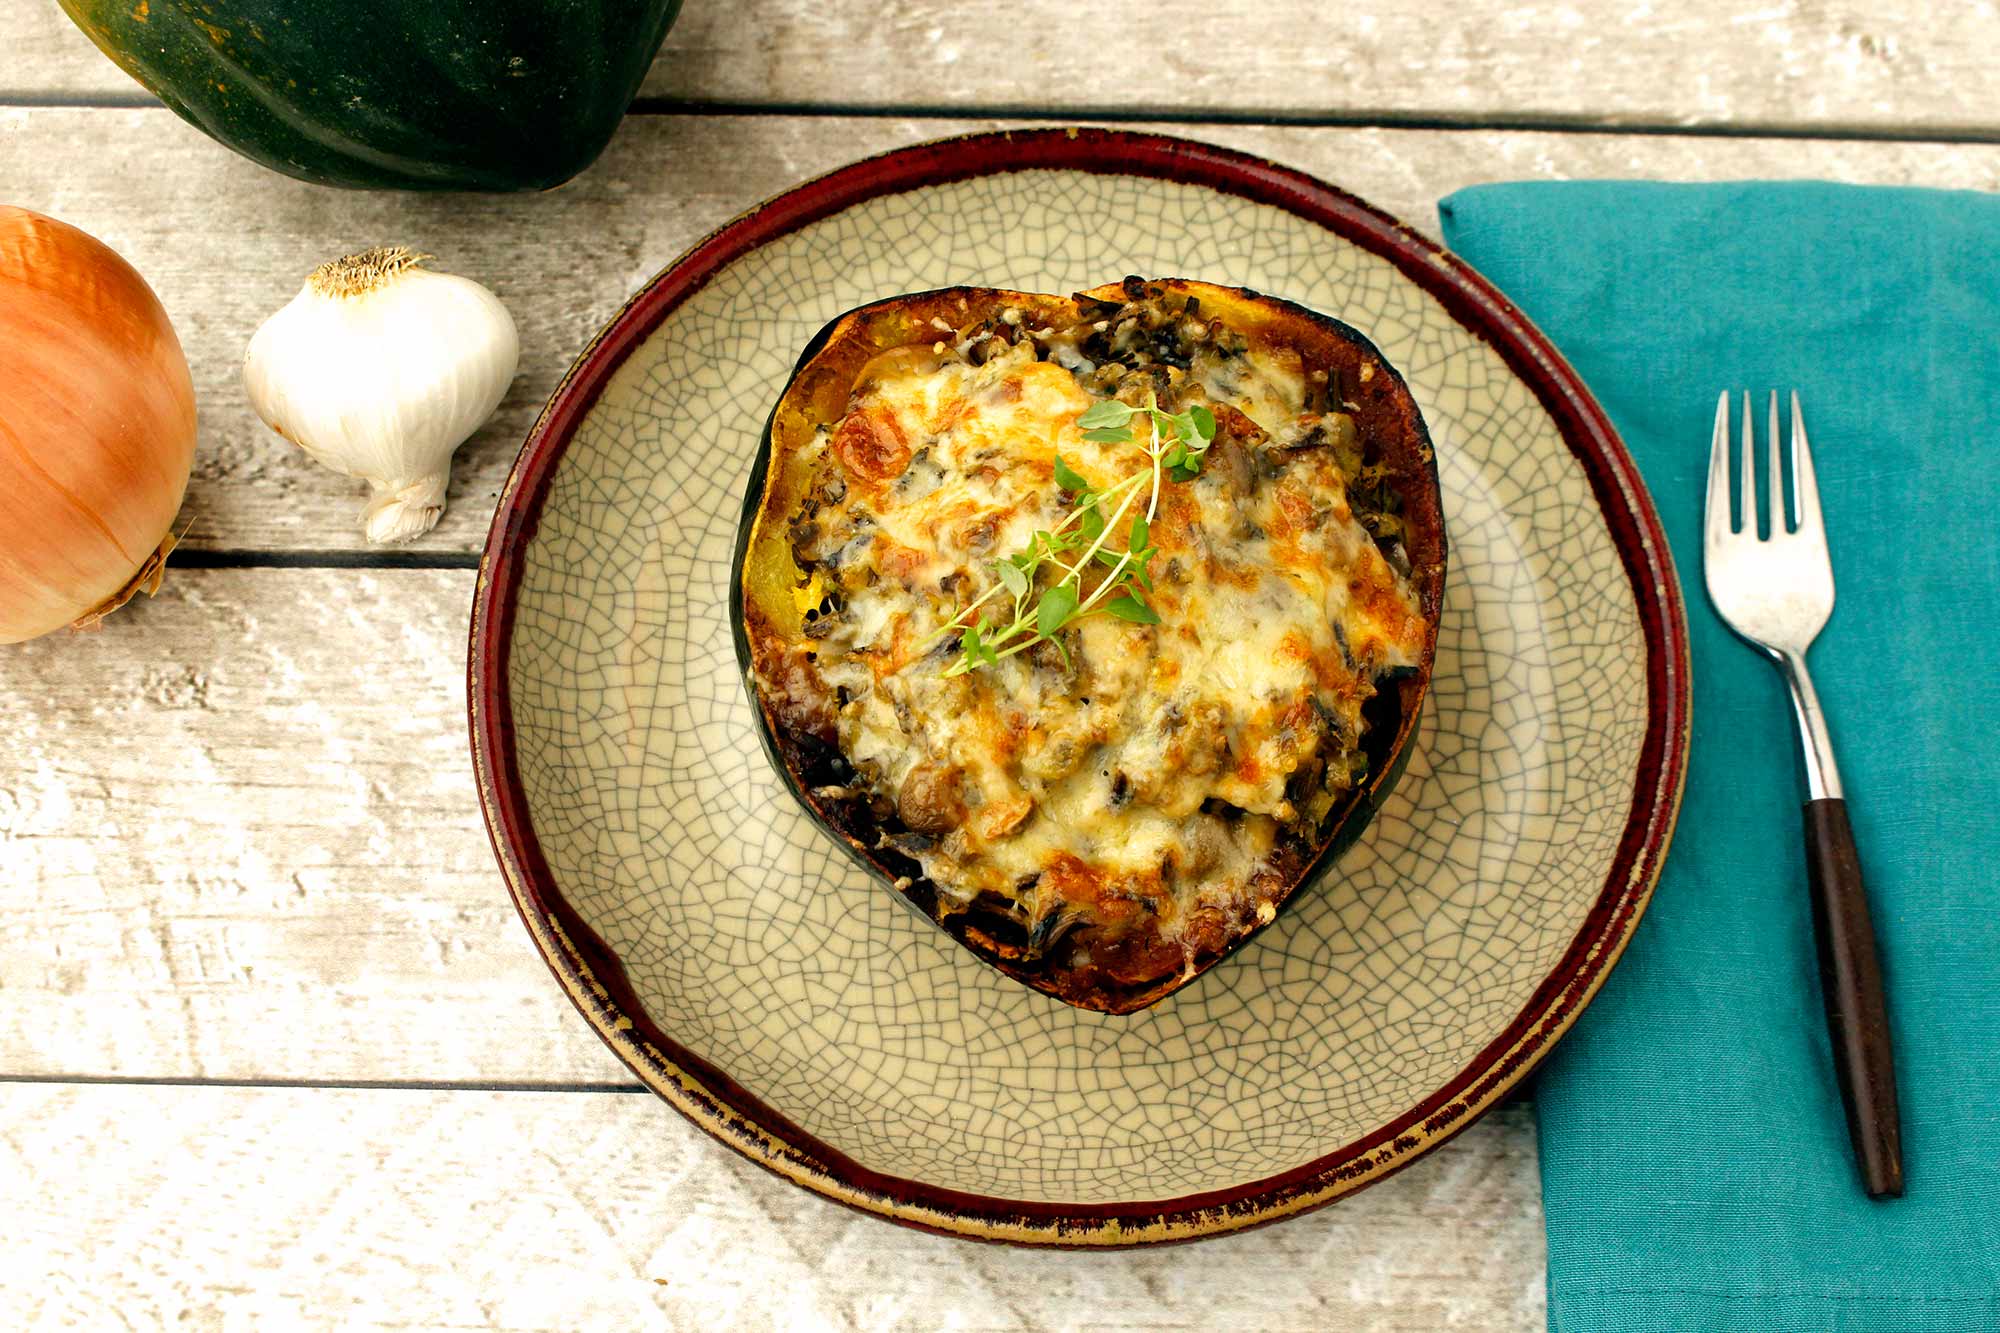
(1815, 745)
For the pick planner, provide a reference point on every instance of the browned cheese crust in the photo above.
(1105, 815)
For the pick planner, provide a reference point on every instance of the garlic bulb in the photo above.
(379, 369)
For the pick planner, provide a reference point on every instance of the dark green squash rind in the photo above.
(1394, 712)
(393, 94)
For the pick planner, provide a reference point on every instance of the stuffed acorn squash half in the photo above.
(1095, 626)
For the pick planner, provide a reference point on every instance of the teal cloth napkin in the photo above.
(1695, 1163)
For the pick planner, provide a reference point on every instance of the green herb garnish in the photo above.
(1175, 445)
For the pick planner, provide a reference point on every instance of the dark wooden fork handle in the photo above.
(1856, 1016)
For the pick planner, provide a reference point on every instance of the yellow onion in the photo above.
(96, 428)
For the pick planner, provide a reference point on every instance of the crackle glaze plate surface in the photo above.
(747, 971)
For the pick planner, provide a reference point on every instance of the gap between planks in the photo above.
(1360, 118)
(323, 1085)
(1522, 1094)
(1168, 115)
(375, 558)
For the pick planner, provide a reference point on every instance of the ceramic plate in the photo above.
(737, 961)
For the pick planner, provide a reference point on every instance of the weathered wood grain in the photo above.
(267, 1208)
(226, 242)
(1900, 66)
(240, 840)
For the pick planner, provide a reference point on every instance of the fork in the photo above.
(1776, 593)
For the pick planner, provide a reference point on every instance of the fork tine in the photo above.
(1747, 502)
(1776, 501)
(1717, 504)
(1805, 486)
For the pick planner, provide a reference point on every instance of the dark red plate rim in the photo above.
(590, 972)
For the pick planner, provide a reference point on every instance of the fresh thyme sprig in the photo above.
(1175, 446)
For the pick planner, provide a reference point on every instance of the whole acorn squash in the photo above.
(393, 94)
(1113, 942)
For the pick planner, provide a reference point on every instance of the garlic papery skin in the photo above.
(380, 368)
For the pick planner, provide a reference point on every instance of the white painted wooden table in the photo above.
(274, 1050)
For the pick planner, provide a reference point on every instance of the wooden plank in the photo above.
(48, 58)
(1900, 65)
(242, 1207)
(226, 242)
(242, 841)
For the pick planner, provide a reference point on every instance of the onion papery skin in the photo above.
(97, 427)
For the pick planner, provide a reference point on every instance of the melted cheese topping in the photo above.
(1146, 781)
